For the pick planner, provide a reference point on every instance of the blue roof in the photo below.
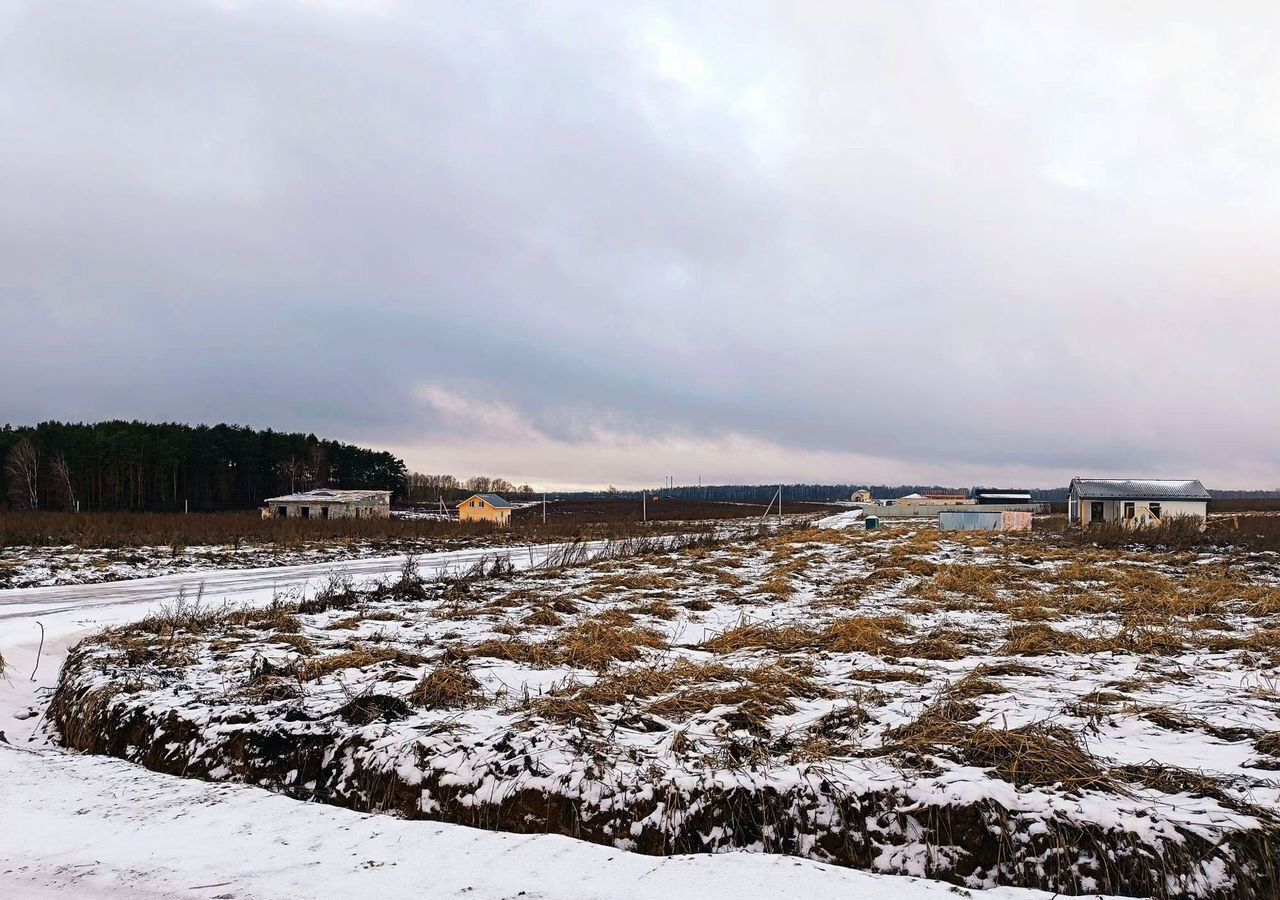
(491, 499)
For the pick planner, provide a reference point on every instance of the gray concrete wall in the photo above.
(337, 509)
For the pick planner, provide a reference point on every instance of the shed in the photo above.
(485, 508)
(987, 498)
(1135, 501)
(327, 503)
(984, 520)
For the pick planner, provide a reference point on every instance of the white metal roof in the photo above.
(1139, 489)
(329, 495)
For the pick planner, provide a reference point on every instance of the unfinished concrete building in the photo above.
(326, 503)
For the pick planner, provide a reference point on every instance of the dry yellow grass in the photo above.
(658, 609)
(358, 658)
(597, 642)
(761, 692)
(298, 642)
(593, 643)
(780, 639)
(863, 634)
(647, 581)
(1038, 639)
(852, 634)
(543, 616)
(446, 687)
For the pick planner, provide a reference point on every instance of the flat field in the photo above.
(51, 548)
(1020, 709)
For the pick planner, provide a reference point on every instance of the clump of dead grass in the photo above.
(683, 689)
(297, 642)
(358, 658)
(658, 609)
(851, 634)
(543, 616)
(597, 642)
(1039, 754)
(757, 694)
(885, 676)
(1268, 743)
(971, 580)
(863, 634)
(637, 581)
(774, 638)
(594, 643)
(446, 687)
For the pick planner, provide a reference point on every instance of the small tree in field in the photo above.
(22, 467)
(60, 483)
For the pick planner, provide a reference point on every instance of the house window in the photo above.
(473, 504)
(1095, 511)
(1130, 509)
(305, 512)
(324, 512)
(282, 511)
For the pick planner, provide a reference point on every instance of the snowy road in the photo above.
(236, 585)
(82, 827)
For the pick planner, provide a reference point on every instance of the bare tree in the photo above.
(317, 468)
(23, 470)
(291, 470)
(60, 479)
(480, 484)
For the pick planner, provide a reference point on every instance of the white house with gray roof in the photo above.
(1135, 501)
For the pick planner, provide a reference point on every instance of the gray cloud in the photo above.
(835, 241)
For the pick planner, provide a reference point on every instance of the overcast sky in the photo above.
(580, 244)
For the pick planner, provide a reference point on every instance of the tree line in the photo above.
(826, 493)
(144, 466)
(428, 489)
(763, 493)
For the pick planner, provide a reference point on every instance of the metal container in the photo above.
(969, 520)
(873, 523)
(984, 520)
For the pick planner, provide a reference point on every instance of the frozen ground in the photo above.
(994, 709)
(81, 827)
(25, 567)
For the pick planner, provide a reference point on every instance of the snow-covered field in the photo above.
(25, 567)
(79, 827)
(912, 673)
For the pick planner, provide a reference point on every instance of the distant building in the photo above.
(863, 496)
(1135, 502)
(485, 508)
(985, 498)
(935, 498)
(329, 504)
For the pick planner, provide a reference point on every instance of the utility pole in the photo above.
(544, 509)
(779, 504)
(644, 506)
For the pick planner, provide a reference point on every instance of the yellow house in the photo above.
(485, 508)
